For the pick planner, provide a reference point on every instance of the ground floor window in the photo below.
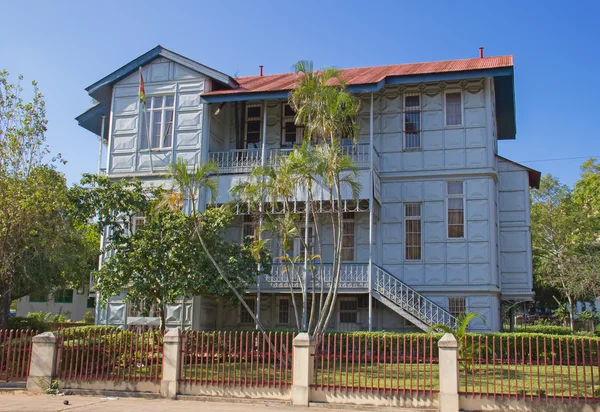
(245, 316)
(38, 297)
(348, 310)
(91, 302)
(284, 311)
(64, 296)
(457, 305)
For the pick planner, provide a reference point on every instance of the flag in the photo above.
(142, 92)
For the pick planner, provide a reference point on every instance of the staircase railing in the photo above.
(409, 300)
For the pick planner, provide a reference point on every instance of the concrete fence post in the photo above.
(448, 351)
(171, 363)
(303, 369)
(43, 355)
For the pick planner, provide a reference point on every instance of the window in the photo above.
(91, 302)
(290, 133)
(348, 310)
(348, 239)
(412, 227)
(412, 122)
(246, 317)
(248, 228)
(456, 210)
(454, 109)
(253, 126)
(64, 296)
(157, 122)
(38, 297)
(284, 311)
(138, 222)
(299, 242)
(457, 306)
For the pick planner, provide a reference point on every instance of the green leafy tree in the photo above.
(160, 261)
(562, 237)
(190, 187)
(42, 247)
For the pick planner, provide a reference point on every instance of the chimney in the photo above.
(480, 55)
(261, 67)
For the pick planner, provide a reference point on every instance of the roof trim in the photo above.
(367, 87)
(534, 175)
(91, 119)
(149, 56)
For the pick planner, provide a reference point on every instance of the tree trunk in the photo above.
(5, 300)
(161, 315)
(571, 313)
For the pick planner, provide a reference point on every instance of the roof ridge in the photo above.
(390, 65)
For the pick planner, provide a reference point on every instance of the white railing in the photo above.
(409, 300)
(245, 160)
(353, 276)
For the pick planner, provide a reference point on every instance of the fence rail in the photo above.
(108, 354)
(530, 367)
(391, 365)
(242, 359)
(15, 354)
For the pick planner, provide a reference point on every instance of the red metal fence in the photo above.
(15, 354)
(392, 365)
(526, 367)
(250, 359)
(108, 354)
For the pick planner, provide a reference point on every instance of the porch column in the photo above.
(371, 217)
(263, 162)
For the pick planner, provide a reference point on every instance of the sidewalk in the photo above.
(21, 401)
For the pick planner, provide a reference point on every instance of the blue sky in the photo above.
(68, 45)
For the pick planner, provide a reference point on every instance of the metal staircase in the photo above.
(407, 302)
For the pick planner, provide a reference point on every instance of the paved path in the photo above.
(21, 401)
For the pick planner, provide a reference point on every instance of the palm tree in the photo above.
(466, 348)
(192, 185)
(328, 113)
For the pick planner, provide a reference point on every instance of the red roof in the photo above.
(367, 75)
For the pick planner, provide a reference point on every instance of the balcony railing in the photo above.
(354, 276)
(245, 160)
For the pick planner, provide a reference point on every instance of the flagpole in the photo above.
(142, 93)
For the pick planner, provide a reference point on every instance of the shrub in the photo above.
(89, 317)
(20, 322)
(544, 329)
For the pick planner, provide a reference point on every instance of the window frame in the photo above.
(135, 225)
(405, 147)
(281, 299)
(253, 119)
(64, 297)
(349, 220)
(148, 111)
(462, 109)
(38, 298)
(248, 222)
(457, 301)
(411, 218)
(250, 301)
(284, 121)
(356, 311)
(464, 210)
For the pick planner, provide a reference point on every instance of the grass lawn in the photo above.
(542, 380)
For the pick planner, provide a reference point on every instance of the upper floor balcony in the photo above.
(243, 161)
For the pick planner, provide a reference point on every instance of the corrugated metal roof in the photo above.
(367, 75)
